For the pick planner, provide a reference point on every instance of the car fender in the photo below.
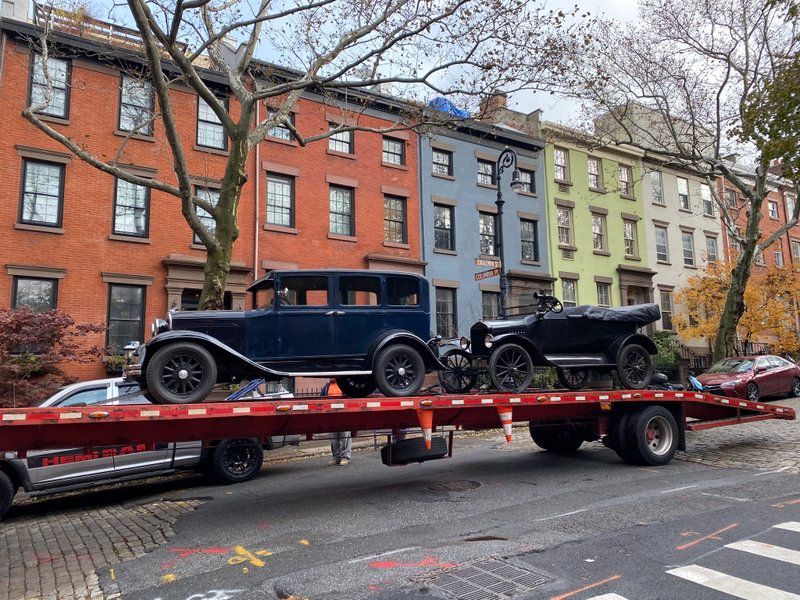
(515, 338)
(634, 338)
(398, 336)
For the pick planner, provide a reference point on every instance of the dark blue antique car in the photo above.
(367, 329)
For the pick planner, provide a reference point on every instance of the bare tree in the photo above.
(688, 84)
(336, 48)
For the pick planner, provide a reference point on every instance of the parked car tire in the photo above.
(8, 490)
(356, 386)
(399, 371)
(634, 367)
(459, 377)
(559, 439)
(652, 436)
(753, 393)
(180, 373)
(572, 379)
(237, 460)
(511, 368)
(794, 392)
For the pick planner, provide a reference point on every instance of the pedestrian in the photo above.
(341, 441)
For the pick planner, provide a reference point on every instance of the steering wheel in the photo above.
(553, 305)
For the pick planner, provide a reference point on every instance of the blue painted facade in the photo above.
(459, 191)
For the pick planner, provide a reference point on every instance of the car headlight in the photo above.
(487, 341)
(159, 326)
(464, 343)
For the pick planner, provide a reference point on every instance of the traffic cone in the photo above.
(426, 422)
(506, 420)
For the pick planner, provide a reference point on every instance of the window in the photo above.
(625, 180)
(683, 194)
(42, 193)
(730, 198)
(795, 250)
(59, 71)
(712, 255)
(125, 315)
(687, 240)
(564, 217)
(758, 257)
(561, 164)
(630, 236)
(569, 292)
(666, 310)
(359, 291)
(778, 258)
(402, 291)
(136, 105)
(490, 302)
(280, 200)
(773, 209)
(394, 151)
(657, 186)
(212, 197)
(603, 294)
(341, 210)
(442, 162)
(210, 132)
(394, 219)
(595, 174)
(38, 294)
(304, 290)
(708, 200)
(529, 239)
(529, 181)
(131, 209)
(341, 141)
(446, 312)
(280, 130)
(485, 172)
(487, 223)
(443, 233)
(599, 232)
(662, 245)
(790, 202)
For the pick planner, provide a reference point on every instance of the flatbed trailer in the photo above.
(643, 427)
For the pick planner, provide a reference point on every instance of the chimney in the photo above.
(776, 167)
(493, 104)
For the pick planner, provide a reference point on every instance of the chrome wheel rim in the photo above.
(659, 435)
(182, 374)
(796, 388)
(634, 366)
(752, 392)
(511, 368)
(400, 371)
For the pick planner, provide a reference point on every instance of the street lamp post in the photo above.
(506, 159)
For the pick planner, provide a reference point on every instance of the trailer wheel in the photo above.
(180, 373)
(356, 386)
(7, 492)
(511, 368)
(557, 439)
(651, 437)
(237, 460)
(399, 371)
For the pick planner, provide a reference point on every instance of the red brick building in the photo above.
(109, 252)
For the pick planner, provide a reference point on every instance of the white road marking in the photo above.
(789, 526)
(727, 497)
(728, 584)
(373, 556)
(686, 487)
(608, 597)
(781, 470)
(767, 551)
(574, 512)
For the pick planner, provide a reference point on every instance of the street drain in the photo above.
(454, 486)
(487, 579)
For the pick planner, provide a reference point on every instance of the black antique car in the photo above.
(574, 340)
(365, 328)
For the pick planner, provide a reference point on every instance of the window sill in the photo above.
(563, 182)
(394, 166)
(278, 140)
(397, 245)
(341, 154)
(690, 267)
(488, 186)
(708, 216)
(342, 238)
(601, 253)
(567, 247)
(598, 190)
(771, 218)
(135, 136)
(440, 176)
(281, 229)
(661, 204)
(528, 194)
(443, 251)
(129, 238)
(683, 210)
(628, 197)
(636, 258)
(664, 262)
(532, 263)
(197, 246)
(53, 119)
(209, 150)
(39, 228)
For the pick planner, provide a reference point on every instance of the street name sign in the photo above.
(487, 274)
(487, 262)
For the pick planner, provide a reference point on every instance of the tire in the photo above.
(794, 392)
(399, 371)
(459, 377)
(511, 368)
(572, 379)
(8, 490)
(634, 367)
(356, 386)
(236, 460)
(651, 436)
(414, 450)
(557, 439)
(753, 393)
(166, 383)
(617, 439)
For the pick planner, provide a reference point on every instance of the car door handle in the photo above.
(330, 313)
(339, 313)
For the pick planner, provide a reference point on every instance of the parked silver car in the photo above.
(50, 471)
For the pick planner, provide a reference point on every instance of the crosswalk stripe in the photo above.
(608, 597)
(728, 584)
(789, 526)
(767, 551)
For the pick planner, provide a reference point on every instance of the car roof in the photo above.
(78, 386)
(271, 274)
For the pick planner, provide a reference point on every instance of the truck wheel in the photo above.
(617, 438)
(399, 370)
(572, 379)
(180, 373)
(356, 386)
(634, 367)
(651, 437)
(237, 460)
(459, 377)
(556, 439)
(511, 368)
(7, 492)
(414, 450)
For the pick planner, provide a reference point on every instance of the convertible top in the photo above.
(634, 313)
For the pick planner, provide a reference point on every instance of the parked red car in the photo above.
(752, 377)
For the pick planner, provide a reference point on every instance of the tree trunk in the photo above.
(734, 306)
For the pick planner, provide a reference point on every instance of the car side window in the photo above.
(763, 362)
(402, 291)
(359, 291)
(86, 397)
(131, 388)
(304, 290)
(777, 362)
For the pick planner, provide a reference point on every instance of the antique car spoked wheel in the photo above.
(399, 370)
(635, 367)
(459, 377)
(572, 379)
(511, 368)
(180, 373)
(356, 386)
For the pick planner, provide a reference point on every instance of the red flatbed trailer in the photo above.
(588, 414)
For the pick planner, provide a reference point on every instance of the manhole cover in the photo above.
(454, 486)
(487, 579)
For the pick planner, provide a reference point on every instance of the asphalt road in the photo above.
(495, 517)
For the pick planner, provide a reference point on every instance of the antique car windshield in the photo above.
(732, 365)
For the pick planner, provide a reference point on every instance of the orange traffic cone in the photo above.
(426, 422)
(506, 420)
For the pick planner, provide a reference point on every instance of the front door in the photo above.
(360, 317)
(305, 322)
(766, 380)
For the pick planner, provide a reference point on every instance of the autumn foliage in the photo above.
(33, 348)
(770, 298)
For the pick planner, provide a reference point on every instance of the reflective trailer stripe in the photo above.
(789, 526)
(487, 400)
(515, 400)
(728, 584)
(767, 551)
(410, 403)
(149, 413)
(241, 409)
(457, 402)
(14, 417)
(300, 407)
(69, 416)
(337, 405)
(373, 404)
(197, 411)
